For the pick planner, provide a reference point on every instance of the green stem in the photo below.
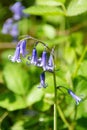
(55, 101)
(79, 62)
(63, 118)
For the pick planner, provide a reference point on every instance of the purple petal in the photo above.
(50, 65)
(44, 60)
(42, 81)
(7, 26)
(16, 57)
(23, 50)
(17, 9)
(14, 30)
(77, 99)
(34, 57)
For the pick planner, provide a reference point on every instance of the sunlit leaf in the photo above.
(48, 2)
(76, 7)
(83, 69)
(16, 78)
(44, 10)
(35, 95)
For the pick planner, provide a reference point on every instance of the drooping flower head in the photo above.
(20, 49)
(10, 28)
(14, 32)
(34, 56)
(7, 26)
(77, 99)
(23, 50)
(17, 9)
(50, 65)
(16, 57)
(42, 80)
(44, 60)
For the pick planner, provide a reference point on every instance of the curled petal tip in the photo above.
(77, 99)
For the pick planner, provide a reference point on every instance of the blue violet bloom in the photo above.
(42, 80)
(50, 65)
(16, 57)
(77, 99)
(11, 28)
(43, 63)
(17, 10)
(23, 50)
(33, 59)
(14, 32)
(20, 49)
(7, 26)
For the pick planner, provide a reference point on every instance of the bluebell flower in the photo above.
(34, 57)
(17, 10)
(43, 63)
(16, 57)
(20, 49)
(42, 80)
(7, 26)
(50, 65)
(10, 28)
(23, 50)
(14, 32)
(77, 99)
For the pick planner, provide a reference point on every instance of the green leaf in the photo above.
(76, 7)
(83, 69)
(48, 2)
(81, 88)
(11, 101)
(44, 10)
(16, 78)
(35, 95)
(42, 106)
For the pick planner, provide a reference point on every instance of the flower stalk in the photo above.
(55, 99)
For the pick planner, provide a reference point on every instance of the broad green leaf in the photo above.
(48, 2)
(82, 110)
(69, 55)
(11, 101)
(81, 87)
(83, 69)
(16, 78)
(44, 10)
(46, 30)
(35, 95)
(42, 106)
(76, 7)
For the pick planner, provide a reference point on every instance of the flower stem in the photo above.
(55, 102)
(55, 98)
(63, 118)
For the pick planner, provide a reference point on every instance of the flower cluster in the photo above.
(43, 62)
(10, 26)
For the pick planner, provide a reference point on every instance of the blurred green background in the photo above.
(59, 23)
